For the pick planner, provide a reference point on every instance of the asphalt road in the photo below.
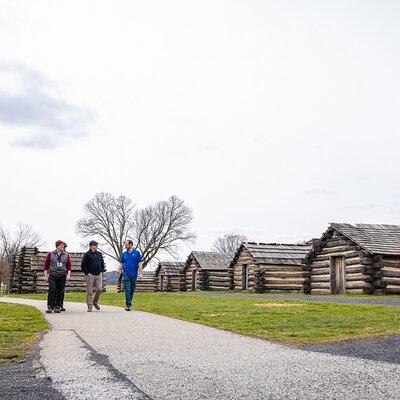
(113, 354)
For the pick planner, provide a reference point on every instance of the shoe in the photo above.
(89, 309)
(57, 310)
(62, 309)
(128, 309)
(96, 306)
(49, 311)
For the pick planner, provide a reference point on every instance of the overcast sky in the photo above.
(269, 118)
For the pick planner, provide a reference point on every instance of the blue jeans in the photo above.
(129, 287)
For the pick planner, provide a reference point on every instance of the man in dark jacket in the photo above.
(57, 269)
(93, 267)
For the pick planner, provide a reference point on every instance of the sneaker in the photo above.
(128, 309)
(89, 309)
(96, 306)
(62, 309)
(57, 310)
(49, 310)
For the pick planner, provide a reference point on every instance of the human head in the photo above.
(60, 245)
(93, 245)
(128, 244)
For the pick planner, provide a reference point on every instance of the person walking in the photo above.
(57, 270)
(93, 267)
(131, 266)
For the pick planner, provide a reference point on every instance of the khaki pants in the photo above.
(93, 282)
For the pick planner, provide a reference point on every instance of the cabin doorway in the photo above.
(194, 280)
(162, 283)
(245, 277)
(338, 281)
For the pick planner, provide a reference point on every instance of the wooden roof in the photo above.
(375, 238)
(171, 268)
(275, 253)
(211, 260)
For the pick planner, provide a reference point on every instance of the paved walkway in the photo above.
(114, 354)
(380, 301)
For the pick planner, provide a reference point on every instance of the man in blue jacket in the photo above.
(131, 266)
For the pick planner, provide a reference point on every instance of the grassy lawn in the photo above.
(19, 326)
(289, 321)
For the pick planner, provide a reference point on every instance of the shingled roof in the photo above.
(211, 260)
(274, 253)
(171, 268)
(375, 238)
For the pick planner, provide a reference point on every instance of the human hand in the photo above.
(46, 278)
(68, 276)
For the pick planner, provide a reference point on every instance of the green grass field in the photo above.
(290, 321)
(19, 326)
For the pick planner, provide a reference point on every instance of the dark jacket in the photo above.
(92, 263)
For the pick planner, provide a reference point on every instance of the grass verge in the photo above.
(289, 321)
(20, 325)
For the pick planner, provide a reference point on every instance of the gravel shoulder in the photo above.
(169, 359)
(27, 380)
(383, 301)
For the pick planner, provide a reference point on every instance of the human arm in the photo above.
(84, 264)
(69, 268)
(141, 270)
(121, 264)
(46, 267)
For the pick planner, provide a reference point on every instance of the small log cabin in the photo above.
(170, 276)
(356, 258)
(207, 270)
(270, 267)
(146, 283)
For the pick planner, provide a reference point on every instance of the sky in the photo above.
(269, 118)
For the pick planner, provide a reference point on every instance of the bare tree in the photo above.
(11, 244)
(162, 228)
(155, 229)
(228, 243)
(108, 219)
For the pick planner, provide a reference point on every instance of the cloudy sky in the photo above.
(269, 118)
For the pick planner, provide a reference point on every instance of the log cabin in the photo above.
(356, 258)
(146, 283)
(205, 270)
(270, 267)
(170, 277)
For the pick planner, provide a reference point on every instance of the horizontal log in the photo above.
(320, 278)
(284, 281)
(358, 285)
(390, 272)
(392, 289)
(320, 285)
(391, 280)
(358, 277)
(321, 291)
(321, 271)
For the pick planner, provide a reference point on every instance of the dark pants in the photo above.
(55, 297)
(129, 286)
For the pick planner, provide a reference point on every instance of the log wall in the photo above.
(170, 283)
(218, 279)
(189, 273)
(28, 273)
(244, 258)
(282, 278)
(360, 267)
(390, 274)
